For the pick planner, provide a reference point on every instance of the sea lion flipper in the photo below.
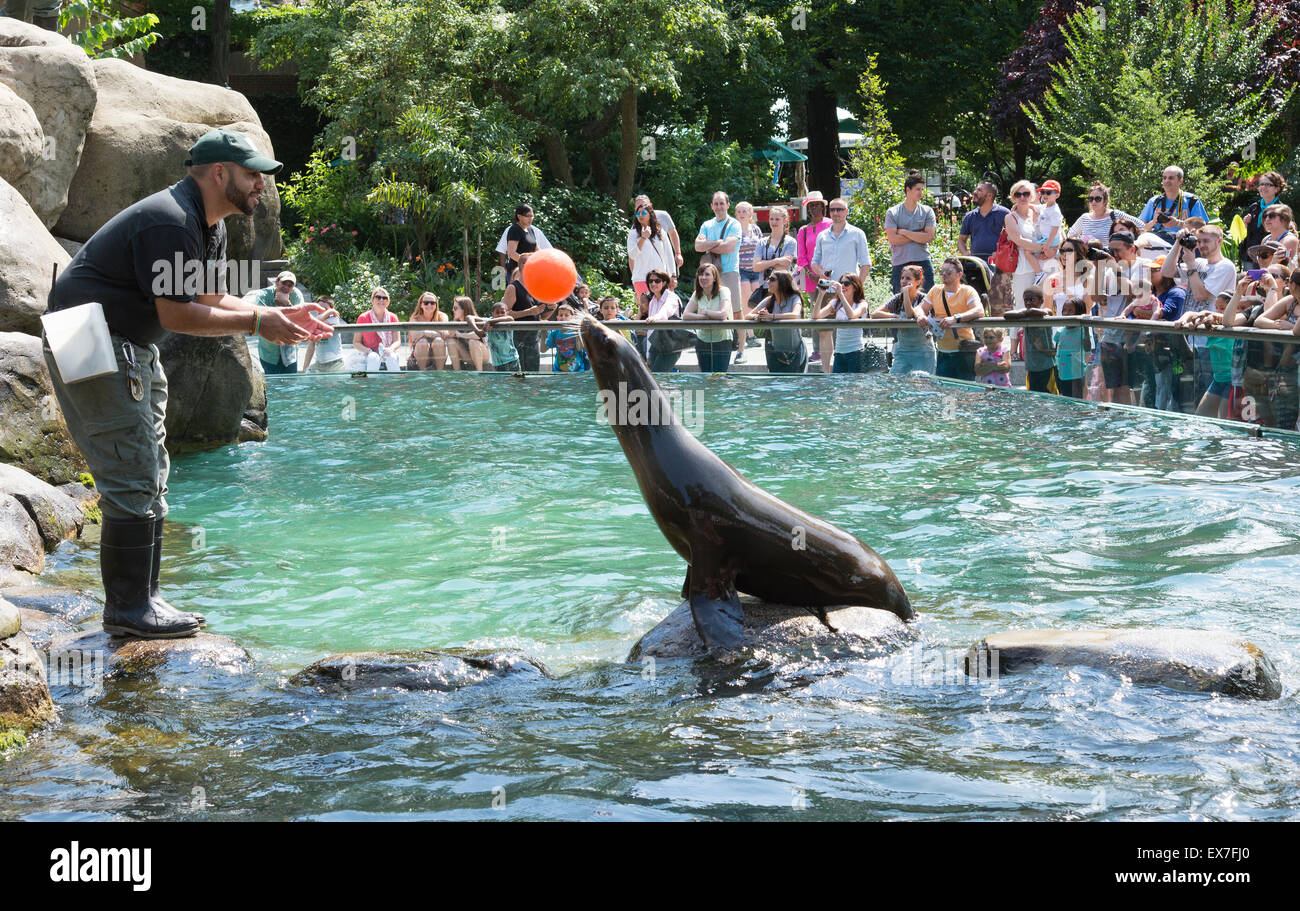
(720, 622)
(686, 586)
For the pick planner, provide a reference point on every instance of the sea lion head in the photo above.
(613, 359)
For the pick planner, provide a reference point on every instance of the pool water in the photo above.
(440, 510)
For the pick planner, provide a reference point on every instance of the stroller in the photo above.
(979, 275)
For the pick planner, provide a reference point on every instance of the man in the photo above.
(841, 247)
(284, 293)
(1204, 276)
(982, 226)
(130, 267)
(1164, 213)
(1114, 284)
(909, 226)
(721, 235)
(670, 228)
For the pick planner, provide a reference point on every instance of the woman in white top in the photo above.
(664, 305)
(648, 248)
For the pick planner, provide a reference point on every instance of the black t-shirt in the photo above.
(159, 247)
(526, 240)
(523, 301)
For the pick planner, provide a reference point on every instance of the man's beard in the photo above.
(239, 199)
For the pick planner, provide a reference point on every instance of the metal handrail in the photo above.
(1131, 325)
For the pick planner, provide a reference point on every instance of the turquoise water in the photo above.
(438, 510)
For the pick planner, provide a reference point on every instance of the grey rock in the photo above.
(11, 621)
(20, 540)
(57, 80)
(129, 657)
(33, 434)
(58, 517)
(211, 382)
(20, 136)
(43, 629)
(28, 255)
(143, 125)
(858, 632)
(1201, 661)
(81, 494)
(67, 604)
(25, 701)
(421, 669)
(71, 247)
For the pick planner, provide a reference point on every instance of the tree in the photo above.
(1136, 139)
(452, 162)
(877, 161)
(1224, 89)
(106, 33)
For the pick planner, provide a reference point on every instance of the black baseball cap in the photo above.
(229, 145)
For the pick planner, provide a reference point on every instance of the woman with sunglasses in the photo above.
(647, 247)
(662, 305)
(710, 301)
(1022, 230)
(952, 303)
(1099, 222)
(1270, 186)
(377, 350)
(428, 347)
(785, 351)
(842, 306)
(1280, 223)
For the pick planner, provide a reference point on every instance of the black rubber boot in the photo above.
(125, 559)
(154, 595)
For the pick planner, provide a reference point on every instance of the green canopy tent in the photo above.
(778, 153)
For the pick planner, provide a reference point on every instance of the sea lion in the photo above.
(734, 536)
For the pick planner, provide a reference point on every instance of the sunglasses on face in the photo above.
(381, 297)
(1264, 183)
(641, 212)
(1021, 193)
(1046, 192)
(654, 281)
(838, 209)
(1096, 199)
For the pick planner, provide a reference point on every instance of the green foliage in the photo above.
(686, 171)
(364, 273)
(1132, 143)
(11, 740)
(588, 226)
(86, 480)
(877, 161)
(1200, 58)
(107, 34)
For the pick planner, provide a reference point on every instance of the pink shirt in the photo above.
(372, 340)
(806, 241)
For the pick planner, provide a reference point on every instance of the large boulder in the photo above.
(58, 517)
(20, 539)
(33, 434)
(24, 696)
(21, 138)
(125, 656)
(144, 125)
(422, 669)
(57, 81)
(1201, 661)
(28, 255)
(211, 383)
(778, 628)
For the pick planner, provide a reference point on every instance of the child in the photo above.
(1072, 344)
(1040, 358)
(569, 356)
(993, 361)
(501, 345)
(583, 294)
(1048, 222)
(609, 311)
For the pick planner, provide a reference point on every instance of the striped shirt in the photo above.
(1097, 227)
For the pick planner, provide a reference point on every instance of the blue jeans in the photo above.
(848, 362)
(277, 367)
(956, 365)
(714, 357)
(911, 361)
(927, 274)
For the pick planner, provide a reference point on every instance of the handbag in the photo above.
(1007, 255)
(671, 341)
(715, 259)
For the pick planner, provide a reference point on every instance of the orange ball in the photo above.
(549, 276)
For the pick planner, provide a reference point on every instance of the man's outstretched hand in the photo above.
(288, 325)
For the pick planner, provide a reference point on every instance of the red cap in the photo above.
(1050, 185)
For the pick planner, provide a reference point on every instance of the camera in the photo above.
(1188, 241)
(1164, 217)
(1097, 254)
(825, 284)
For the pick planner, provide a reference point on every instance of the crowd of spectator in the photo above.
(1164, 265)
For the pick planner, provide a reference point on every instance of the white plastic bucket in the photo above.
(79, 341)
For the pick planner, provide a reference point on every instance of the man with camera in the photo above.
(1164, 213)
(1197, 263)
(1118, 276)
